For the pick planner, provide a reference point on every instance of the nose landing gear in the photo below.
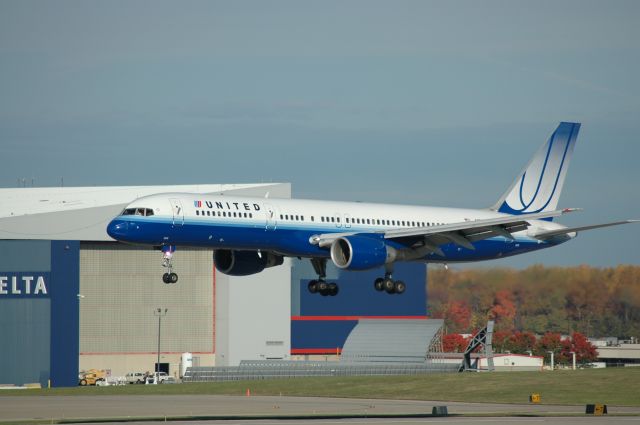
(167, 254)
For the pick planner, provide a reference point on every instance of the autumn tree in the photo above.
(550, 341)
(593, 301)
(503, 310)
(579, 344)
(500, 341)
(457, 316)
(522, 342)
(454, 343)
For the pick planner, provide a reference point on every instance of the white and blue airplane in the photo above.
(249, 234)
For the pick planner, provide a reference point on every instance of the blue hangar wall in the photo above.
(320, 325)
(39, 314)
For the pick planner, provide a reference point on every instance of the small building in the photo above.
(622, 353)
(513, 363)
(501, 362)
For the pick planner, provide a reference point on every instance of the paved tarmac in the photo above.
(14, 408)
(611, 420)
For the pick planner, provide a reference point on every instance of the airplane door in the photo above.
(347, 221)
(178, 212)
(271, 217)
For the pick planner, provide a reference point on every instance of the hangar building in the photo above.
(73, 299)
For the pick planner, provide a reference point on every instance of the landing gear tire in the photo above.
(322, 287)
(378, 284)
(170, 277)
(399, 287)
(389, 286)
(313, 286)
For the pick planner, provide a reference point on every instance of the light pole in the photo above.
(160, 314)
(573, 354)
(551, 352)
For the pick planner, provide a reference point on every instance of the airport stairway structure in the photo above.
(483, 340)
(374, 348)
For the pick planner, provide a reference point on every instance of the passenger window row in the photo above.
(224, 214)
(389, 222)
(369, 221)
(292, 217)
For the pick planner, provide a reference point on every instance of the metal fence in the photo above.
(256, 370)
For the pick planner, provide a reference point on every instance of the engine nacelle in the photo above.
(360, 253)
(244, 263)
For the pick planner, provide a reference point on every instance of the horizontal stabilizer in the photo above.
(552, 233)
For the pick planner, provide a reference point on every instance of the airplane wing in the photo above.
(551, 233)
(462, 233)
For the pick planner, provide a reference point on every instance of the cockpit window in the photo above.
(138, 211)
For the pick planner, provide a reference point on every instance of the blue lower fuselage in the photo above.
(291, 241)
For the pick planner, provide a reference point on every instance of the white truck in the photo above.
(162, 377)
(135, 378)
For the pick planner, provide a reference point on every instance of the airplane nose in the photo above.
(117, 229)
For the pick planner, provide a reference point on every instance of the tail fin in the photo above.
(538, 186)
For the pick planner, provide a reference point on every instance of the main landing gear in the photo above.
(167, 254)
(324, 288)
(320, 285)
(389, 285)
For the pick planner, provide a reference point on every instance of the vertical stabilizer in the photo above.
(539, 185)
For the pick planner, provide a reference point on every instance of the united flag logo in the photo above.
(197, 204)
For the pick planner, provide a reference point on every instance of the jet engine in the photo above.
(361, 253)
(244, 263)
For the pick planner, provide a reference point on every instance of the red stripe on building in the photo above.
(316, 350)
(128, 353)
(343, 318)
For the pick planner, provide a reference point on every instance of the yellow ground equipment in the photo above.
(91, 377)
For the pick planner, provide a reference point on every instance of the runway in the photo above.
(268, 410)
(446, 421)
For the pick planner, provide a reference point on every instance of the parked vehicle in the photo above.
(135, 378)
(162, 378)
(112, 380)
(91, 377)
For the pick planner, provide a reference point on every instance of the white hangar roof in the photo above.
(82, 213)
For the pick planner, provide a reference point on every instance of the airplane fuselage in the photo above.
(287, 226)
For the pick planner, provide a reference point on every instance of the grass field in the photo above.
(613, 386)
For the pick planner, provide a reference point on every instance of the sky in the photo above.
(417, 102)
